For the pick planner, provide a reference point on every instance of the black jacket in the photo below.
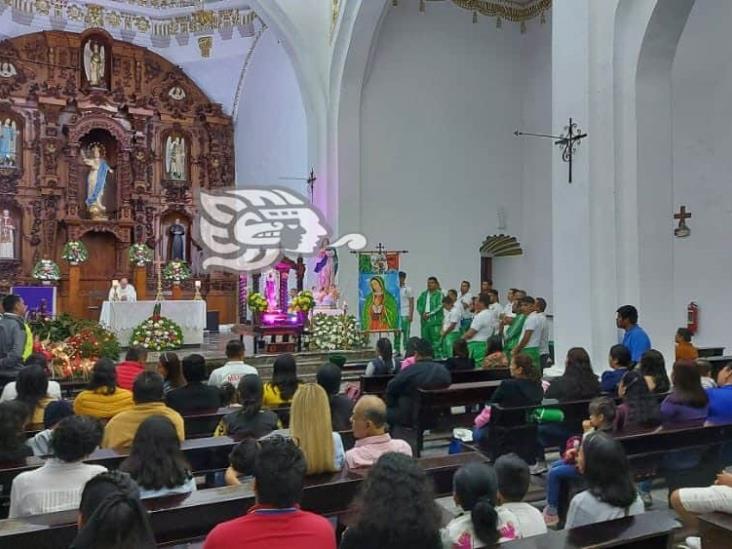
(402, 389)
(196, 398)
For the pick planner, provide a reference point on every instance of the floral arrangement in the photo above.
(140, 255)
(330, 332)
(46, 270)
(257, 302)
(157, 333)
(177, 271)
(72, 345)
(75, 252)
(303, 302)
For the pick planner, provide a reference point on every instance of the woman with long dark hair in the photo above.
(284, 382)
(688, 401)
(102, 398)
(32, 387)
(395, 509)
(170, 368)
(481, 522)
(384, 363)
(250, 420)
(13, 417)
(653, 367)
(610, 492)
(111, 515)
(640, 407)
(156, 461)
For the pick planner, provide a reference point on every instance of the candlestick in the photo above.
(197, 296)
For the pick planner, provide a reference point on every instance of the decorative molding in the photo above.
(506, 9)
(500, 245)
(245, 66)
(96, 16)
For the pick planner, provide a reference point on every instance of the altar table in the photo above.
(122, 317)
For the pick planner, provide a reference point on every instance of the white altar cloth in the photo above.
(122, 317)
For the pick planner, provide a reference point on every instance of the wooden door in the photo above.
(486, 269)
(98, 272)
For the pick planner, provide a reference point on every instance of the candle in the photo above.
(198, 284)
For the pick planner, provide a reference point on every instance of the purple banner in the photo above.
(38, 298)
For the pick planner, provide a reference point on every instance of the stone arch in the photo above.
(92, 122)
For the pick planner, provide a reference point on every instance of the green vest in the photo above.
(28, 347)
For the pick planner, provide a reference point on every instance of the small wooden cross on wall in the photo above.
(682, 231)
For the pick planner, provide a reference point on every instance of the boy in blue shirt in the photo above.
(619, 360)
(635, 339)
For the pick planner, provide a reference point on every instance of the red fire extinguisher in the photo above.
(692, 317)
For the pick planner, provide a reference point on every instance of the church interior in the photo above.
(471, 228)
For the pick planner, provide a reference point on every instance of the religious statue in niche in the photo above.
(96, 180)
(271, 290)
(175, 158)
(8, 143)
(7, 70)
(177, 234)
(176, 93)
(7, 236)
(94, 63)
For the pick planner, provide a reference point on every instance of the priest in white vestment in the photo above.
(124, 291)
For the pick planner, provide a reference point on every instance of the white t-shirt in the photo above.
(460, 533)
(496, 309)
(56, 486)
(534, 323)
(452, 316)
(587, 509)
(463, 303)
(10, 393)
(544, 342)
(405, 294)
(529, 518)
(483, 325)
(508, 313)
(231, 372)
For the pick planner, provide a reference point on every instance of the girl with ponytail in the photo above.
(482, 523)
(111, 515)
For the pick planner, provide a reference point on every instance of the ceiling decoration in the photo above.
(500, 245)
(189, 19)
(517, 11)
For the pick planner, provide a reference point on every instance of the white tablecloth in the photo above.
(122, 318)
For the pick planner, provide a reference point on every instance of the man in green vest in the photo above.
(429, 307)
(16, 338)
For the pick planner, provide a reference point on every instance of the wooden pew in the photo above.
(181, 518)
(431, 402)
(652, 530)
(376, 385)
(715, 530)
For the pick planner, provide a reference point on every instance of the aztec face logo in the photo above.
(251, 229)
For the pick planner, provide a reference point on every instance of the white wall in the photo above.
(702, 169)
(271, 131)
(438, 155)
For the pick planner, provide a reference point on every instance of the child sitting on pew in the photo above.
(241, 463)
(512, 474)
(482, 523)
(619, 360)
(602, 418)
(52, 415)
(705, 371)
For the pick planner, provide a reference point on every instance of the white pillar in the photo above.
(583, 212)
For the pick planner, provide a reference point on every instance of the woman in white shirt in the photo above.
(57, 485)
(54, 388)
(610, 492)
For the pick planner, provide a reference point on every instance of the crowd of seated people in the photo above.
(395, 506)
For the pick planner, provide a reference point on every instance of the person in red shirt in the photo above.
(276, 521)
(131, 367)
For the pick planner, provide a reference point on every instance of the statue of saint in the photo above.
(270, 291)
(177, 234)
(326, 266)
(7, 236)
(96, 181)
(175, 158)
(94, 63)
(8, 143)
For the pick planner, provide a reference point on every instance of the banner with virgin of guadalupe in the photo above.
(378, 287)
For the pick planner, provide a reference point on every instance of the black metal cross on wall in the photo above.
(568, 141)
